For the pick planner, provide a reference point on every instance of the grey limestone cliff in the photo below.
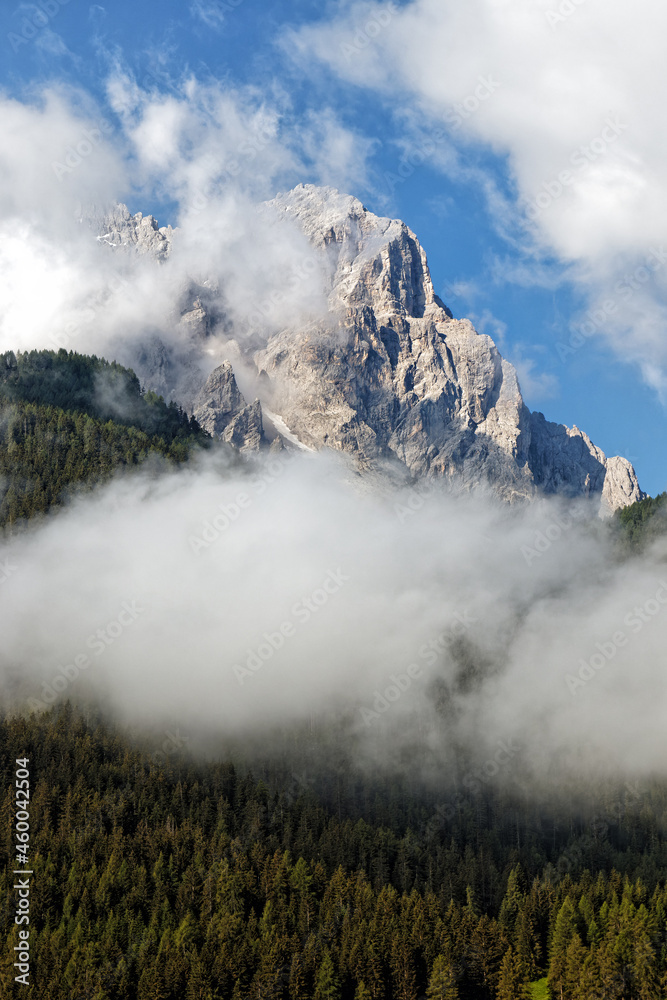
(221, 409)
(125, 232)
(389, 373)
(399, 376)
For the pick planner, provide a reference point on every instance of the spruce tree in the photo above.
(564, 931)
(442, 981)
(326, 981)
(512, 982)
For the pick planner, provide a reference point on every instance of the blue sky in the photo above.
(394, 83)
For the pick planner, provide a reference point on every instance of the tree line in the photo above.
(69, 422)
(162, 878)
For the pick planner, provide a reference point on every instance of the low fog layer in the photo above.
(231, 598)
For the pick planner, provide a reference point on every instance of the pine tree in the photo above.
(362, 992)
(564, 931)
(527, 942)
(589, 986)
(513, 901)
(326, 981)
(574, 963)
(512, 983)
(297, 977)
(643, 966)
(611, 978)
(442, 981)
(485, 949)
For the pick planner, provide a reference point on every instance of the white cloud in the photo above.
(528, 272)
(214, 153)
(338, 155)
(536, 386)
(211, 12)
(52, 43)
(42, 136)
(536, 588)
(574, 105)
(493, 326)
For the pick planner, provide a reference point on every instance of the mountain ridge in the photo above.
(390, 374)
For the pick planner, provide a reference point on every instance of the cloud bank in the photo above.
(213, 155)
(232, 598)
(237, 598)
(570, 96)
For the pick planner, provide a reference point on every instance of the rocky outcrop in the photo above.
(620, 484)
(221, 409)
(564, 460)
(399, 376)
(388, 373)
(139, 233)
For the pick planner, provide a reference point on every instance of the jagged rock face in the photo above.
(221, 409)
(400, 376)
(139, 233)
(620, 484)
(390, 374)
(374, 262)
(169, 367)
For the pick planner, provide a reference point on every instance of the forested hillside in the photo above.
(69, 421)
(292, 872)
(643, 521)
(157, 877)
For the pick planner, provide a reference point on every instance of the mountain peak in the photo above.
(373, 260)
(407, 379)
(392, 375)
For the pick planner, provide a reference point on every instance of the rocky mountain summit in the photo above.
(125, 232)
(221, 409)
(391, 375)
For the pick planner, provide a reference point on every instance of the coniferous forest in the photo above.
(68, 421)
(157, 876)
(333, 500)
(166, 876)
